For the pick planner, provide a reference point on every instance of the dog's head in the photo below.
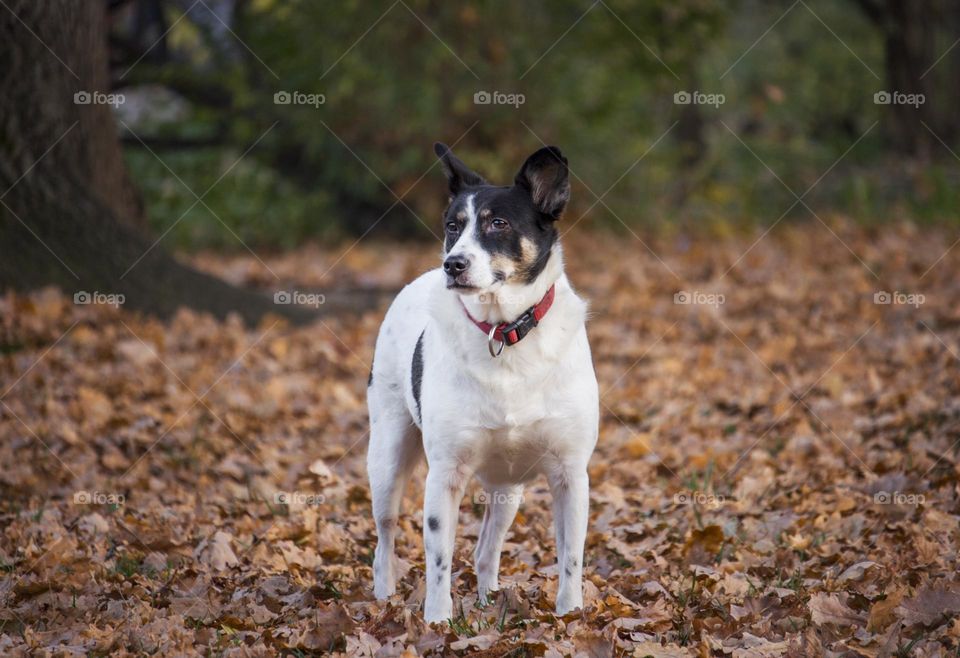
(501, 234)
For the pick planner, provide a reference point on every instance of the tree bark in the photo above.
(69, 215)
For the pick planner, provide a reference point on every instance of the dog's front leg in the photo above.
(441, 511)
(571, 505)
(501, 509)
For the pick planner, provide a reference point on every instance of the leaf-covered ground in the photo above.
(776, 474)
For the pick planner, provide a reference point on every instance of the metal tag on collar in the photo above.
(491, 339)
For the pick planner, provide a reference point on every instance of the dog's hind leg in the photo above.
(501, 508)
(395, 449)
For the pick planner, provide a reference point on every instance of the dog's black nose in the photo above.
(455, 265)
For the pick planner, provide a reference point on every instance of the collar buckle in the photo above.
(513, 332)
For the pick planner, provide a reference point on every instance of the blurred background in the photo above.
(683, 113)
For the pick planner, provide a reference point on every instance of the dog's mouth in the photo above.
(456, 284)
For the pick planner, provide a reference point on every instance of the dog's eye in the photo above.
(451, 227)
(499, 223)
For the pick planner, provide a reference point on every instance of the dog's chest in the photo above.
(513, 421)
(512, 403)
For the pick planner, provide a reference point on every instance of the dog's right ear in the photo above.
(458, 174)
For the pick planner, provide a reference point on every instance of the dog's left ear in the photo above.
(544, 175)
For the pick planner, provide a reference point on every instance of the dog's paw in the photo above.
(438, 616)
(566, 605)
(486, 596)
(436, 611)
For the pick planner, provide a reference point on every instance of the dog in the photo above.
(483, 367)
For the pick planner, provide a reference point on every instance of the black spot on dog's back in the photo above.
(416, 374)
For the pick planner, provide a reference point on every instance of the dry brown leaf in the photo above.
(219, 552)
(932, 604)
(830, 609)
(883, 613)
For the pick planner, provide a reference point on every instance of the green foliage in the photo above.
(252, 204)
(598, 79)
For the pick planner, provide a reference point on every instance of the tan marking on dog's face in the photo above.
(515, 269)
(503, 264)
(529, 253)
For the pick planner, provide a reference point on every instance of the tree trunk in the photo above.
(915, 34)
(908, 51)
(69, 215)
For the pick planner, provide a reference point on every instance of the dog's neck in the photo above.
(510, 300)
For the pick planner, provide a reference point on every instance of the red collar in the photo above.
(510, 333)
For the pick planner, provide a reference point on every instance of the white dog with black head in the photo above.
(484, 367)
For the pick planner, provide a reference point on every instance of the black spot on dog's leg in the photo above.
(433, 523)
(567, 570)
(416, 374)
(439, 560)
